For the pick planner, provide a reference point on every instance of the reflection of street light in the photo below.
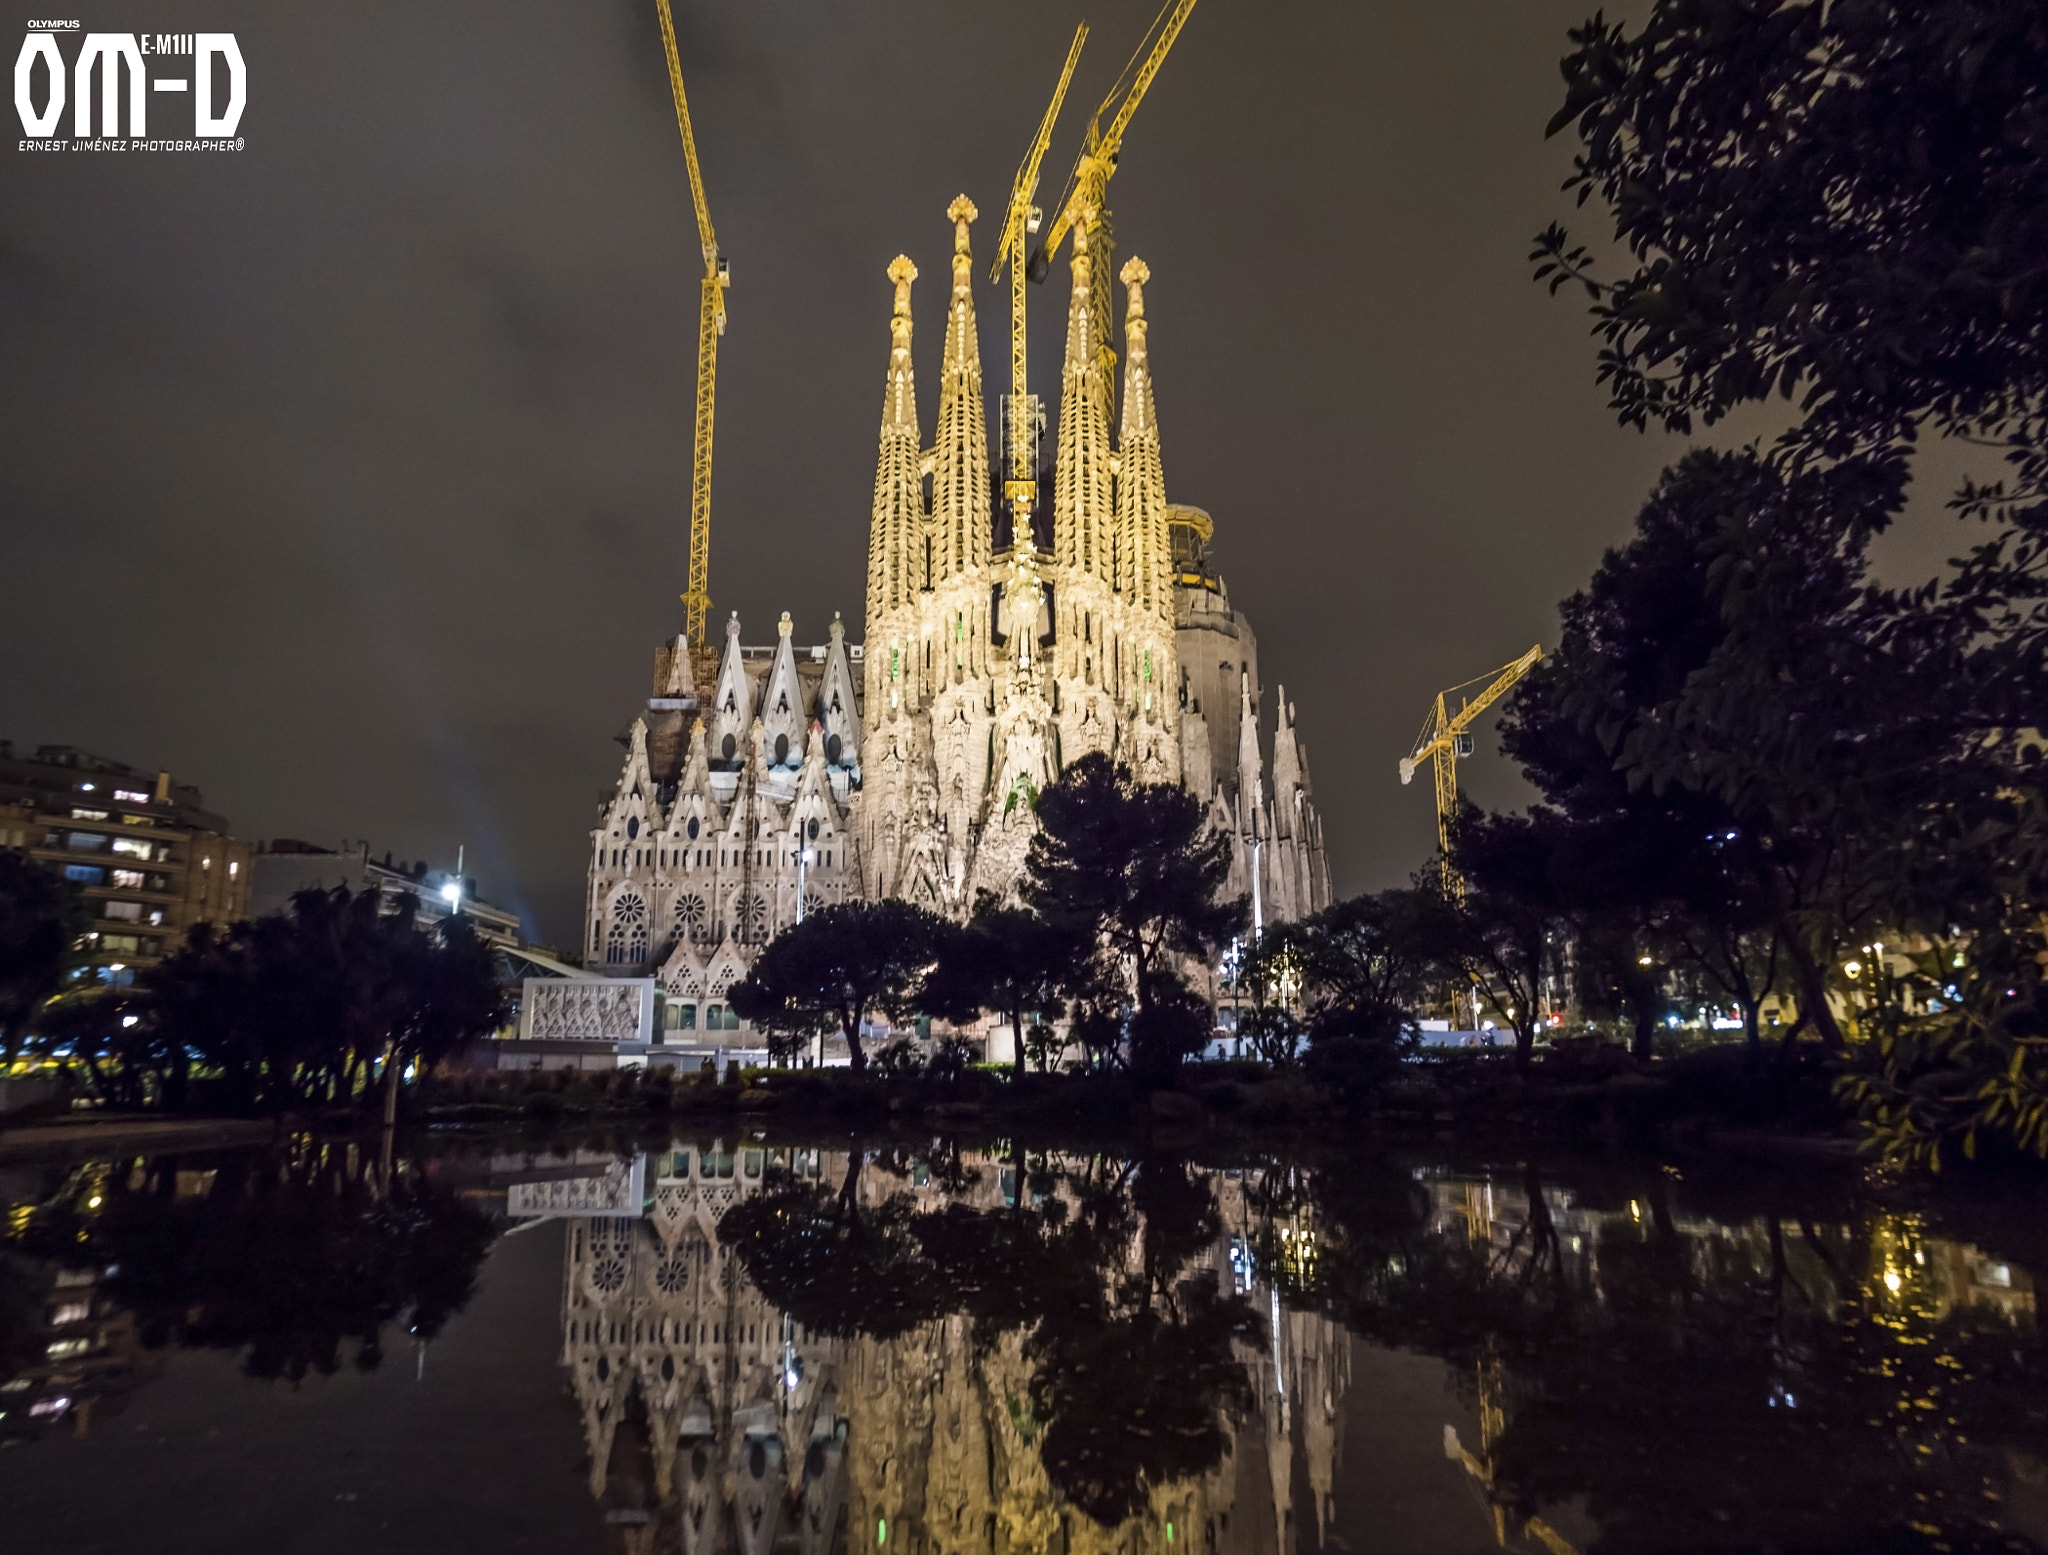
(803, 860)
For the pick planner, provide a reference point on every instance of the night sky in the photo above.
(347, 476)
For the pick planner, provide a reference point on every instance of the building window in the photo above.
(87, 874)
(88, 815)
(132, 847)
(130, 796)
(627, 941)
(129, 911)
(126, 879)
(136, 820)
(84, 842)
(234, 868)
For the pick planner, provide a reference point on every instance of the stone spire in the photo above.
(1143, 556)
(893, 542)
(1286, 767)
(1248, 765)
(960, 496)
(1082, 492)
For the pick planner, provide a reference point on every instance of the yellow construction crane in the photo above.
(710, 325)
(1086, 186)
(1022, 219)
(1444, 739)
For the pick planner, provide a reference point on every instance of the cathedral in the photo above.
(998, 649)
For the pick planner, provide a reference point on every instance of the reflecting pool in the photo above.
(767, 1344)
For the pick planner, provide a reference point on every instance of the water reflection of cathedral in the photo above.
(715, 1424)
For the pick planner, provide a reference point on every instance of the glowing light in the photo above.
(1642, 960)
(1853, 968)
(1892, 1282)
(451, 893)
(881, 1530)
(93, 1202)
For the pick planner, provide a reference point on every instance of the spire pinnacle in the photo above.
(960, 213)
(894, 557)
(960, 494)
(1144, 553)
(1083, 500)
(902, 272)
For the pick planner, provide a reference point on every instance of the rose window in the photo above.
(752, 915)
(672, 1274)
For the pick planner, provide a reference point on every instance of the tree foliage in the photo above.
(1133, 869)
(839, 964)
(1848, 202)
(41, 914)
(290, 1010)
(1005, 959)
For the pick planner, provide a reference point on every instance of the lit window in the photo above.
(206, 863)
(126, 879)
(133, 847)
(234, 868)
(136, 820)
(130, 911)
(84, 842)
(86, 874)
(130, 796)
(87, 815)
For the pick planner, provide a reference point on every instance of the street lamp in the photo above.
(451, 890)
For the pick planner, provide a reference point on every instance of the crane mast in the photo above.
(1020, 487)
(1440, 741)
(710, 325)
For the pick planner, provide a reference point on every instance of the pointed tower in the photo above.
(1083, 507)
(732, 704)
(1144, 563)
(893, 581)
(960, 495)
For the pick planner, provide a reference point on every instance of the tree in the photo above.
(841, 962)
(1746, 761)
(291, 1010)
(1133, 868)
(1504, 930)
(1358, 968)
(41, 915)
(1007, 959)
(1845, 201)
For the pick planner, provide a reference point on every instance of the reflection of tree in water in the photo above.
(1761, 1381)
(1128, 1337)
(298, 1260)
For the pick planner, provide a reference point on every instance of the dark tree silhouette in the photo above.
(41, 914)
(1134, 869)
(838, 964)
(1006, 959)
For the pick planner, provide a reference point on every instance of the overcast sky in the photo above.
(347, 475)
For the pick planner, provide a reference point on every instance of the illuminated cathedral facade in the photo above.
(998, 651)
